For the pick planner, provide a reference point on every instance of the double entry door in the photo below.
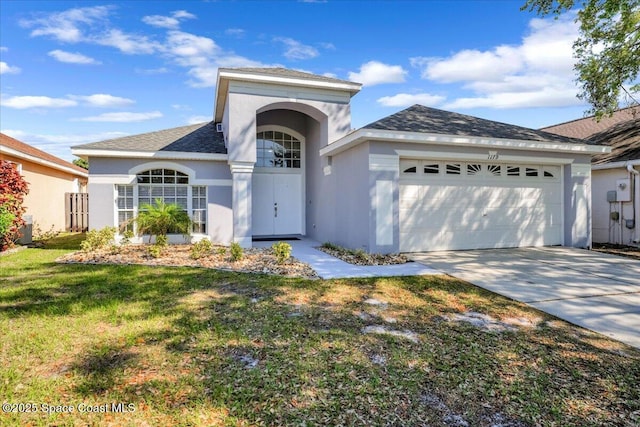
(276, 204)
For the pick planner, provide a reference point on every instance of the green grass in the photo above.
(180, 344)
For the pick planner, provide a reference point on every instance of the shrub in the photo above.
(222, 251)
(13, 188)
(40, 234)
(201, 248)
(160, 218)
(329, 245)
(6, 220)
(236, 251)
(282, 251)
(162, 241)
(98, 239)
(126, 238)
(155, 251)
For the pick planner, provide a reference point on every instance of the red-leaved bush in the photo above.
(13, 188)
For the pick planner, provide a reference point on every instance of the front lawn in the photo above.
(192, 346)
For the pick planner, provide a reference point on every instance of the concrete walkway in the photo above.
(329, 267)
(597, 291)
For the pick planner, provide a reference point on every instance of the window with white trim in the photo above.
(125, 207)
(277, 150)
(168, 185)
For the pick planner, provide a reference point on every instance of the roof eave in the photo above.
(616, 165)
(165, 155)
(43, 162)
(365, 134)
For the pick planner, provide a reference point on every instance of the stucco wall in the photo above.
(352, 206)
(246, 100)
(106, 172)
(606, 230)
(47, 186)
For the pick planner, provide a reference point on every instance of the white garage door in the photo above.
(447, 205)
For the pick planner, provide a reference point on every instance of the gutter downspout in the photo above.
(635, 199)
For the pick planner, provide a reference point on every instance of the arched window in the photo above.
(169, 185)
(277, 150)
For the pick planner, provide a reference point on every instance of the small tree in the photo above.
(160, 219)
(83, 163)
(13, 188)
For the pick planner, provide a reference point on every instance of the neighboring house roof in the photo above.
(198, 138)
(25, 151)
(285, 72)
(419, 118)
(621, 132)
(588, 126)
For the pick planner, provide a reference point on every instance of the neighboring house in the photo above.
(616, 175)
(280, 159)
(49, 178)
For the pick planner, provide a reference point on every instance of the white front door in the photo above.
(276, 204)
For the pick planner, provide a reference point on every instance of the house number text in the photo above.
(493, 155)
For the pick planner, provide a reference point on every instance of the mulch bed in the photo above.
(363, 258)
(622, 250)
(255, 260)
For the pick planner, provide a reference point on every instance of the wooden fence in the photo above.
(76, 206)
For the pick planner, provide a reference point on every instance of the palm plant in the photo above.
(160, 218)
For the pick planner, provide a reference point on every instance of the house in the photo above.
(280, 158)
(49, 178)
(615, 175)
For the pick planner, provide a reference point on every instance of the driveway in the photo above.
(597, 291)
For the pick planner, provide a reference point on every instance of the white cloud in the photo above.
(296, 50)
(24, 102)
(328, 46)
(3, 49)
(151, 71)
(538, 72)
(121, 117)
(171, 22)
(72, 58)
(194, 120)
(67, 26)
(103, 100)
(236, 32)
(8, 69)
(127, 43)
(407, 99)
(183, 14)
(375, 73)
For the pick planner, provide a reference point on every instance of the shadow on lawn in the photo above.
(279, 351)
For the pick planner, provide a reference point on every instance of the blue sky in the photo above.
(81, 71)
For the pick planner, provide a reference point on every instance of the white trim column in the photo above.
(241, 173)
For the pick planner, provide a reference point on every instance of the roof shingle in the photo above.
(14, 144)
(621, 132)
(419, 118)
(198, 138)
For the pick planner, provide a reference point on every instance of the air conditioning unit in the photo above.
(219, 127)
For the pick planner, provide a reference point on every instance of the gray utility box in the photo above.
(612, 196)
(26, 230)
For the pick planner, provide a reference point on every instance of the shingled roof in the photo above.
(419, 118)
(28, 150)
(621, 132)
(198, 138)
